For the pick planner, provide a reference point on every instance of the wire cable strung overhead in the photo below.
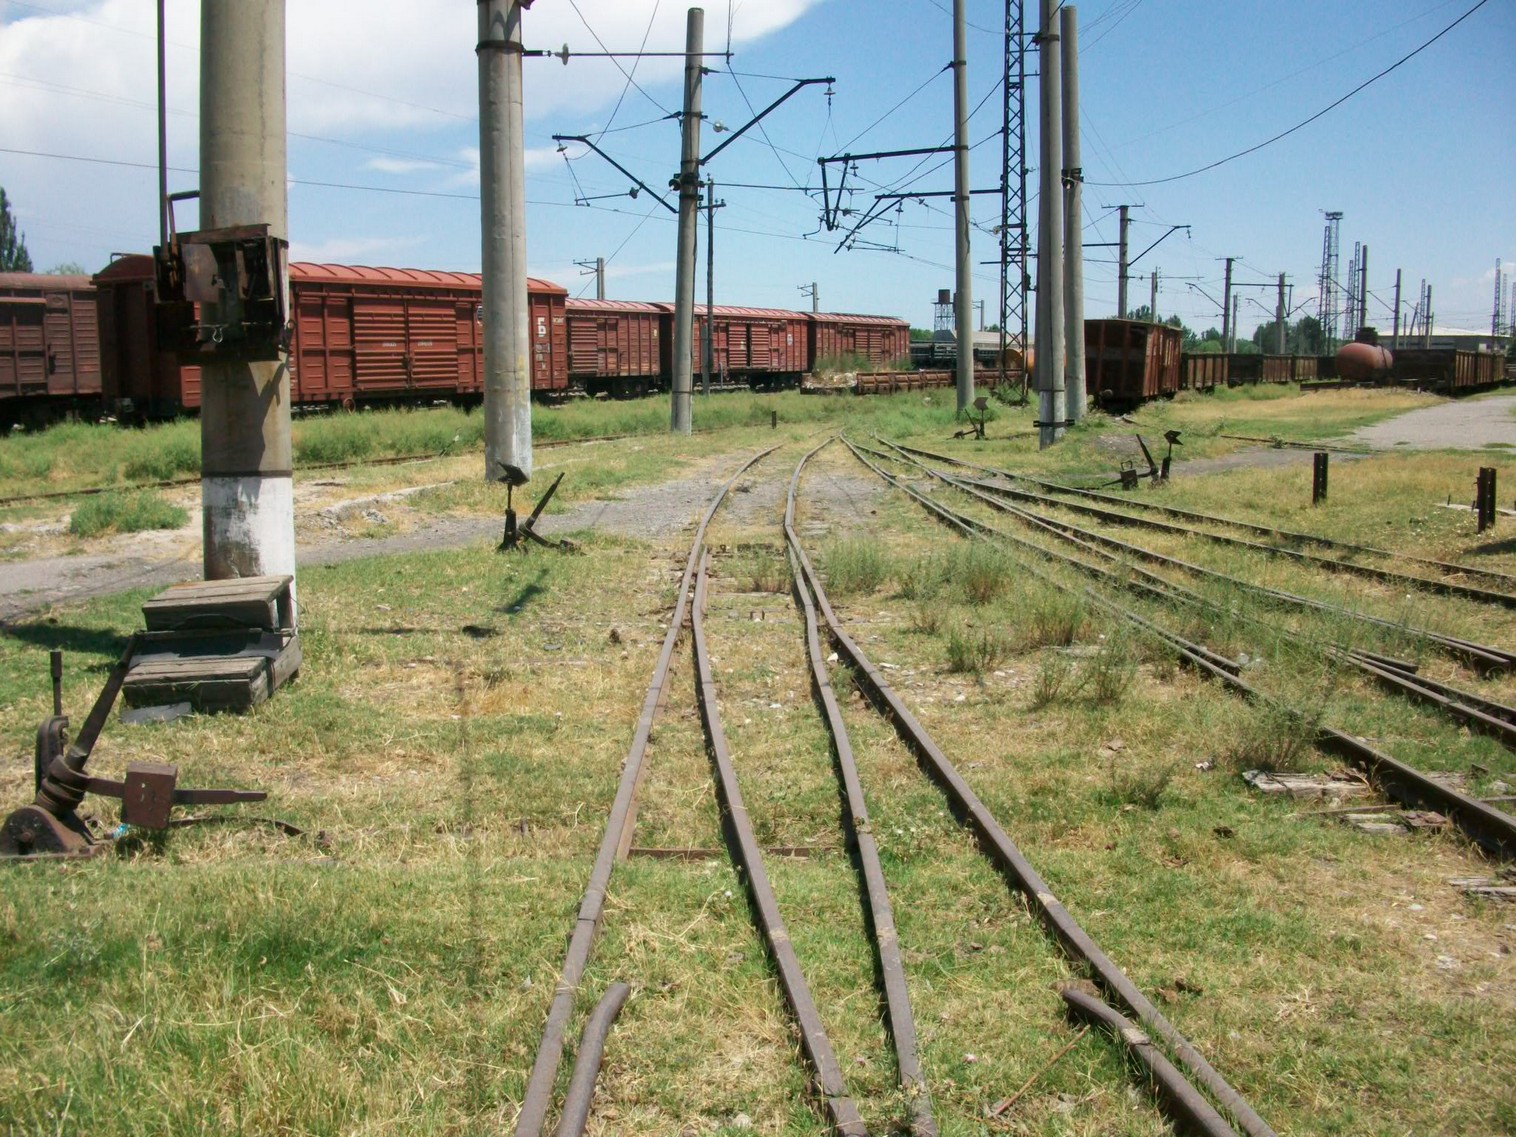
(1306, 121)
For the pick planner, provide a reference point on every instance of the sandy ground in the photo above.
(324, 535)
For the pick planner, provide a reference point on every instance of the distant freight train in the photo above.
(375, 335)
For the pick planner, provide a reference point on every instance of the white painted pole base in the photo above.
(249, 527)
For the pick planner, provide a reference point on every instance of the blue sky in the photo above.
(383, 99)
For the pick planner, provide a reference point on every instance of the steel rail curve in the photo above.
(614, 844)
(999, 848)
(855, 816)
(1480, 656)
(743, 842)
(1490, 828)
(1472, 710)
(581, 1091)
(1191, 1111)
(1448, 568)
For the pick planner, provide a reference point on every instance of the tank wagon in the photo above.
(49, 348)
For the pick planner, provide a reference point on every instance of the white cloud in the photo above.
(401, 165)
(348, 250)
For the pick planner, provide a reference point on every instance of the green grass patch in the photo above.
(125, 513)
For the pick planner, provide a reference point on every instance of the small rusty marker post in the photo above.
(1319, 478)
(1484, 498)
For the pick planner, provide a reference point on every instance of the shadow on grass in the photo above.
(1495, 548)
(528, 593)
(67, 637)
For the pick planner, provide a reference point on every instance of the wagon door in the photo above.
(431, 342)
(23, 358)
(379, 363)
(323, 348)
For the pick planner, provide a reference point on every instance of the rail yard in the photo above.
(882, 771)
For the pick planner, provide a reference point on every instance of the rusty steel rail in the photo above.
(1191, 1112)
(1483, 657)
(999, 848)
(1489, 828)
(581, 1091)
(1474, 711)
(856, 820)
(614, 844)
(1447, 568)
(1331, 564)
(841, 1110)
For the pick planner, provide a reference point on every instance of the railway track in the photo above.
(1492, 829)
(1150, 1037)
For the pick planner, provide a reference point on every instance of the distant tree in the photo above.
(68, 268)
(1305, 337)
(1142, 313)
(1204, 347)
(918, 334)
(13, 254)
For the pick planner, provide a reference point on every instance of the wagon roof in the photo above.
(42, 281)
(140, 266)
(614, 306)
(854, 317)
(366, 274)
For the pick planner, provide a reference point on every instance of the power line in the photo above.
(1304, 122)
(596, 37)
(628, 85)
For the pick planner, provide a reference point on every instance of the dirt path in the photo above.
(1467, 424)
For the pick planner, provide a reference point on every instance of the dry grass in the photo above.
(392, 974)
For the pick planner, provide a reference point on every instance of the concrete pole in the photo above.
(599, 278)
(815, 298)
(1231, 339)
(964, 314)
(162, 133)
(1051, 409)
(1426, 340)
(1395, 338)
(1279, 318)
(709, 329)
(1073, 219)
(502, 209)
(245, 487)
(1226, 308)
(1121, 263)
(1153, 297)
(680, 421)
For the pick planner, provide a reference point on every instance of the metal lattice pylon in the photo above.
(1015, 277)
(1326, 304)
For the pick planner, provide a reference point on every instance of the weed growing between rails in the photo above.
(1302, 944)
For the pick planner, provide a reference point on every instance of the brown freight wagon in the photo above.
(1448, 369)
(615, 347)
(1130, 361)
(49, 347)
(375, 334)
(766, 347)
(361, 335)
(881, 342)
(1202, 371)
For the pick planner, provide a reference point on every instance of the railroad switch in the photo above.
(512, 538)
(51, 824)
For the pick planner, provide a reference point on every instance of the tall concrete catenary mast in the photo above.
(683, 379)
(1073, 221)
(245, 486)
(964, 296)
(1051, 410)
(502, 206)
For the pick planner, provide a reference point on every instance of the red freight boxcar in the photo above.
(615, 347)
(1130, 361)
(361, 335)
(767, 347)
(49, 346)
(880, 342)
(371, 334)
